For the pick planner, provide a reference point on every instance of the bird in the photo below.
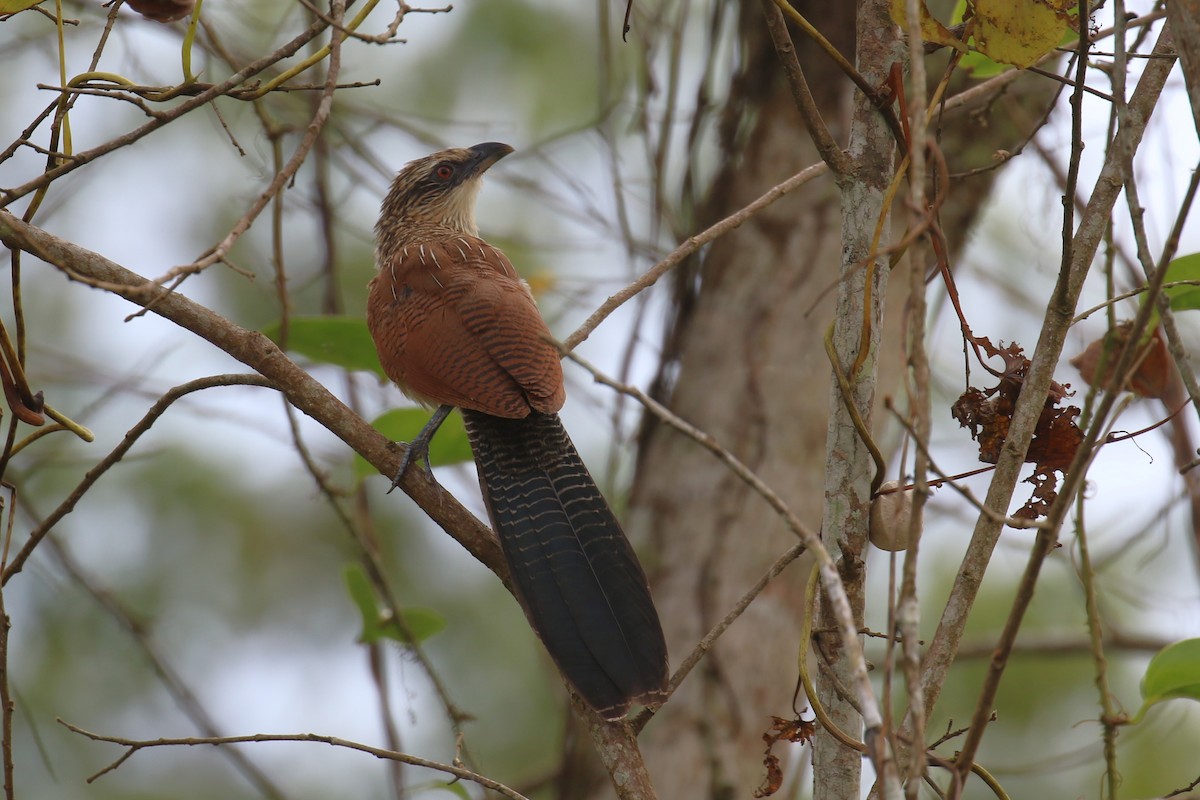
(455, 326)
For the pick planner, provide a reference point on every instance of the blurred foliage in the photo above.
(1173, 673)
(537, 62)
(378, 623)
(341, 341)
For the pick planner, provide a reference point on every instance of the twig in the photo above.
(907, 606)
(249, 94)
(1081, 316)
(706, 644)
(1183, 789)
(94, 474)
(389, 35)
(1077, 259)
(689, 246)
(6, 702)
(831, 152)
(1068, 82)
(1176, 347)
(705, 440)
(135, 745)
(8, 196)
(283, 176)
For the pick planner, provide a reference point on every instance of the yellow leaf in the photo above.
(13, 6)
(541, 283)
(1019, 32)
(931, 29)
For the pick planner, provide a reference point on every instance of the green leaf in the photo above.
(457, 789)
(420, 623)
(449, 445)
(363, 596)
(341, 341)
(980, 66)
(1184, 268)
(1173, 672)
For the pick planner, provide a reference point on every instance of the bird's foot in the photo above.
(419, 446)
(415, 450)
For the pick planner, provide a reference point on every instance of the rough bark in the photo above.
(849, 467)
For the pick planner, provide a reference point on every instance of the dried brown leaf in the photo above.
(988, 414)
(1153, 376)
(789, 730)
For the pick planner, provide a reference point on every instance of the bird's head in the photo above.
(439, 190)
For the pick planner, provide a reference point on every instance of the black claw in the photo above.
(414, 450)
(419, 446)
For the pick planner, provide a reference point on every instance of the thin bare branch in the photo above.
(831, 152)
(260, 353)
(135, 745)
(8, 196)
(691, 245)
(106, 463)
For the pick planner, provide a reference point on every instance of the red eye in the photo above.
(444, 172)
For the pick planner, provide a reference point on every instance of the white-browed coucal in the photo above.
(456, 326)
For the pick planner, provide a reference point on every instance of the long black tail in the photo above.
(574, 571)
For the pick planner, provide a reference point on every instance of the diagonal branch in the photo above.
(262, 355)
(689, 246)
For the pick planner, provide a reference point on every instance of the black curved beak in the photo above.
(485, 155)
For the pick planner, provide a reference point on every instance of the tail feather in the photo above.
(574, 571)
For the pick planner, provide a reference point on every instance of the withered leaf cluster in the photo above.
(793, 730)
(988, 414)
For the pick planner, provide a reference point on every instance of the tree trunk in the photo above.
(753, 373)
(745, 350)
